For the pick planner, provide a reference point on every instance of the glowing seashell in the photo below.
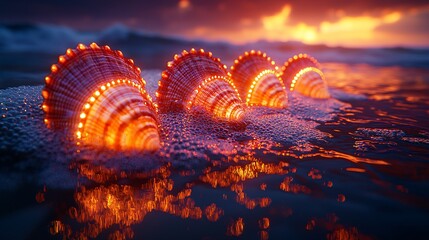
(302, 73)
(255, 77)
(99, 96)
(195, 78)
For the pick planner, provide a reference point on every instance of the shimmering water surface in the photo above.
(352, 167)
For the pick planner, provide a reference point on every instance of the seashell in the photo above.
(99, 95)
(255, 76)
(197, 79)
(302, 73)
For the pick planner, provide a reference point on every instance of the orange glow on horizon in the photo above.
(362, 30)
(346, 30)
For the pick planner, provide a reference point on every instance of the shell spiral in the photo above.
(99, 96)
(302, 73)
(197, 79)
(255, 76)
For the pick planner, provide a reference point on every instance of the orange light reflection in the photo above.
(112, 205)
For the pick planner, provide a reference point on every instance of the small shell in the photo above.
(255, 76)
(302, 73)
(194, 79)
(99, 95)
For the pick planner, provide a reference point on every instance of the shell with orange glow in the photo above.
(197, 79)
(302, 73)
(99, 95)
(255, 76)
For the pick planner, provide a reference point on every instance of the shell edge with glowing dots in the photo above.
(301, 73)
(98, 96)
(197, 79)
(256, 78)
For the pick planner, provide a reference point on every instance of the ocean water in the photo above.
(355, 166)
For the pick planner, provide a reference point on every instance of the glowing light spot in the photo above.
(392, 17)
(81, 46)
(82, 115)
(61, 59)
(94, 45)
(48, 80)
(184, 4)
(264, 223)
(45, 94)
(69, 52)
(54, 68)
(97, 93)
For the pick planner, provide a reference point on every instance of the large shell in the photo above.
(302, 73)
(99, 95)
(255, 76)
(196, 78)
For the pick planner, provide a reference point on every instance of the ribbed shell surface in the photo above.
(255, 76)
(77, 75)
(192, 76)
(302, 73)
(99, 96)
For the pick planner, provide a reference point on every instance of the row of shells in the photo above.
(99, 95)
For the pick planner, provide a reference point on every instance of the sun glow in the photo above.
(346, 29)
(340, 29)
(355, 29)
(184, 4)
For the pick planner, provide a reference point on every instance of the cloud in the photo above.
(273, 22)
(357, 31)
(333, 22)
(360, 30)
(277, 27)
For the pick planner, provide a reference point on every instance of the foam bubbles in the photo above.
(190, 140)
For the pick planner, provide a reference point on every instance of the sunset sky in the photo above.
(333, 22)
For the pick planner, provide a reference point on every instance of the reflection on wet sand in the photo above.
(112, 204)
(113, 201)
(261, 178)
(109, 201)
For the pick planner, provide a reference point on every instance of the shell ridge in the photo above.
(295, 75)
(250, 76)
(185, 82)
(85, 90)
